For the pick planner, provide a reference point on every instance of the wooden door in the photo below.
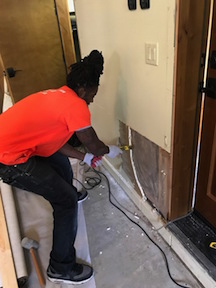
(191, 23)
(30, 43)
(205, 202)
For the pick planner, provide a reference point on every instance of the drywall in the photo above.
(138, 94)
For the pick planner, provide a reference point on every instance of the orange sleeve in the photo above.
(79, 118)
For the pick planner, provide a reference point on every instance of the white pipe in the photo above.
(133, 166)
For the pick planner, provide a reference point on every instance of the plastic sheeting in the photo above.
(14, 232)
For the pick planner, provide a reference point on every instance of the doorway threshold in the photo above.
(199, 239)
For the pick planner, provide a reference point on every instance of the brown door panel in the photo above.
(30, 43)
(205, 202)
(206, 183)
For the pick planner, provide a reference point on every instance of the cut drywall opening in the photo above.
(145, 168)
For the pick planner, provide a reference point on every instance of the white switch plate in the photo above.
(151, 53)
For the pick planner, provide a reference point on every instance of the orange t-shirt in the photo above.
(41, 124)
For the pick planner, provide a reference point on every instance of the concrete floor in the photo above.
(121, 254)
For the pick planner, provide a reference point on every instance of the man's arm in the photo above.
(87, 158)
(69, 151)
(90, 139)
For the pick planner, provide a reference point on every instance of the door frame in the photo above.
(1, 84)
(66, 32)
(191, 30)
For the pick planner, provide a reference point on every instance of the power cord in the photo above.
(95, 181)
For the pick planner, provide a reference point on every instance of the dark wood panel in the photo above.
(164, 182)
(205, 198)
(145, 156)
(152, 165)
(190, 30)
(205, 194)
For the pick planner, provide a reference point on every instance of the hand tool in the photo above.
(33, 245)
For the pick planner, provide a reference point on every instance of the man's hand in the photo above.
(96, 161)
(114, 151)
(92, 161)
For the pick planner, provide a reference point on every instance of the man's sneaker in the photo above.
(81, 274)
(82, 195)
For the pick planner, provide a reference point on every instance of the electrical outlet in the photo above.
(151, 53)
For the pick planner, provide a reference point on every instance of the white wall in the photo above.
(132, 91)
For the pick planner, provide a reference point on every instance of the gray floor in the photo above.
(121, 254)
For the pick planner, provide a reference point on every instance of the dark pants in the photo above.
(51, 178)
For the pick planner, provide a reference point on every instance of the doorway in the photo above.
(205, 198)
(196, 230)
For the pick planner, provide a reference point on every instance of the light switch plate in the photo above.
(145, 4)
(132, 4)
(151, 53)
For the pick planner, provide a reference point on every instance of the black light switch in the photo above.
(132, 4)
(145, 4)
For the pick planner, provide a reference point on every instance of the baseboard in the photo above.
(157, 222)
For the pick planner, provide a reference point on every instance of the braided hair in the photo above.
(86, 73)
